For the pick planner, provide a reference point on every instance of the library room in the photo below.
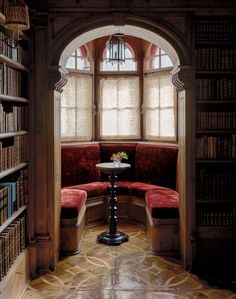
(117, 149)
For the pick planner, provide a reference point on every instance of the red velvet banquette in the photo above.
(147, 192)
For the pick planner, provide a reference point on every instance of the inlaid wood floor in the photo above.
(127, 271)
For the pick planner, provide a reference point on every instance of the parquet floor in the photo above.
(127, 271)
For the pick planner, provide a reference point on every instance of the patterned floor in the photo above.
(127, 271)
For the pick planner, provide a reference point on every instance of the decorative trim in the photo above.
(57, 78)
(182, 78)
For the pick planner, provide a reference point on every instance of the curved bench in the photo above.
(72, 219)
(152, 175)
(162, 210)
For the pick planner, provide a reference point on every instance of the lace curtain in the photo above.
(76, 108)
(160, 106)
(120, 108)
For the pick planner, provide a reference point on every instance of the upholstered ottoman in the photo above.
(72, 219)
(162, 210)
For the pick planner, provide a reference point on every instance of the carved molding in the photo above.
(38, 19)
(119, 19)
(182, 78)
(57, 78)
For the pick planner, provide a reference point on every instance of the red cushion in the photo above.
(156, 165)
(78, 164)
(93, 189)
(139, 189)
(71, 202)
(163, 203)
(122, 187)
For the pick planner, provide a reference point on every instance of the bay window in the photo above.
(122, 109)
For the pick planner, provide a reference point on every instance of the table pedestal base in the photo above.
(113, 239)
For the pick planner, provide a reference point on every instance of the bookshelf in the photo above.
(14, 165)
(215, 85)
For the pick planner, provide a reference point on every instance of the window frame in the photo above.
(121, 75)
(175, 107)
(76, 56)
(140, 72)
(69, 139)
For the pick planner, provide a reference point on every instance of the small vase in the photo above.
(116, 163)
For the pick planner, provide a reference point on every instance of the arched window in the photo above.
(158, 59)
(78, 60)
(119, 98)
(129, 64)
(113, 105)
(159, 97)
(76, 102)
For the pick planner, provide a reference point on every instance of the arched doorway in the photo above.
(70, 38)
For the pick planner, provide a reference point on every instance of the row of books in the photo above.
(216, 120)
(216, 185)
(13, 118)
(217, 88)
(214, 30)
(10, 81)
(13, 150)
(205, 217)
(12, 243)
(13, 194)
(216, 147)
(215, 59)
(12, 51)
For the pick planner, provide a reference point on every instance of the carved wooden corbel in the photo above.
(182, 78)
(57, 78)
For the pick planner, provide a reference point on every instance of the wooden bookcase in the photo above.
(14, 166)
(215, 69)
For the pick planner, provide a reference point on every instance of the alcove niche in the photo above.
(175, 47)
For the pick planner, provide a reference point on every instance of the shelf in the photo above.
(13, 169)
(215, 131)
(12, 218)
(216, 72)
(221, 101)
(222, 201)
(15, 281)
(12, 63)
(215, 43)
(12, 134)
(216, 232)
(216, 161)
(7, 98)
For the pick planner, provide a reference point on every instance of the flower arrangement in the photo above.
(119, 156)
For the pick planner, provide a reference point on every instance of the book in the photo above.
(11, 200)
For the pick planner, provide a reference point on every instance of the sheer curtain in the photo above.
(120, 108)
(160, 106)
(76, 108)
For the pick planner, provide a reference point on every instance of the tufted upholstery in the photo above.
(139, 189)
(147, 192)
(93, 189)
(152, 166)
(78, 164)
(71, 202)
(123, 187)
(163, 203)
(156, 165)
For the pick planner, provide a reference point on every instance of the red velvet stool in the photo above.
(72, 219)
(162, 210)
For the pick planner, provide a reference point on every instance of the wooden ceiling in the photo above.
(129, 5)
